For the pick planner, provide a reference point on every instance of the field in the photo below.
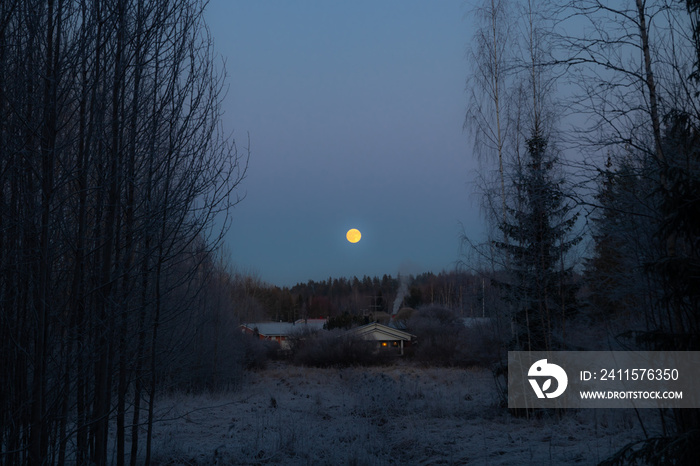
(387, 415)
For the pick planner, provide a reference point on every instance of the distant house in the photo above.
(280, 331)
(387, 338)
(315, 324)
(471, 322)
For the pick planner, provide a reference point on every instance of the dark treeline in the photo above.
(112, 171)
(470, 294)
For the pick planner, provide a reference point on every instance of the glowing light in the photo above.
(353, 235)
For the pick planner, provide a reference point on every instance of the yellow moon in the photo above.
(353, 235)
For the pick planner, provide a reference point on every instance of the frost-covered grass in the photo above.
(384, 415)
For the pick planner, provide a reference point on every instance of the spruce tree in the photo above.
(538, 234)
(615, 273)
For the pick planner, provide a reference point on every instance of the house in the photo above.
(280, 331)
(313, 324)
(386, 337)
(476, 322)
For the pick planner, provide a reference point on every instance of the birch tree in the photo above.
(489, 86)
(113, 170)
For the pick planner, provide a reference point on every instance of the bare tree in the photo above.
(113, 172)
(489, 86)
(633, 61)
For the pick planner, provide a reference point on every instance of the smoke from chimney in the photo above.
(400, 294)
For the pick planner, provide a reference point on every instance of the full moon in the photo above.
(353, 235)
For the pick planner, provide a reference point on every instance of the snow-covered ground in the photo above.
(385, 415)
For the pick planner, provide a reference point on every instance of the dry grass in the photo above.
(382, 415)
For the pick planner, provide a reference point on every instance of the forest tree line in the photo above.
(469, 294)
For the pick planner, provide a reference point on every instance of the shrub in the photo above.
(444, 340)
(403, 316)
(257, 352)
(438, 330)
(478, 346)
(298, 338)
(337, 348)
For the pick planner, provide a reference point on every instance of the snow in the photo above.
(387, 415)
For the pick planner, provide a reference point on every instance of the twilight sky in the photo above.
(355, 113)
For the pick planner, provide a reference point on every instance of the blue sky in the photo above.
(355, 113)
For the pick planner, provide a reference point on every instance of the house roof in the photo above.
(279, 329)
(377, 331)
(314, 324)
(476, 321)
